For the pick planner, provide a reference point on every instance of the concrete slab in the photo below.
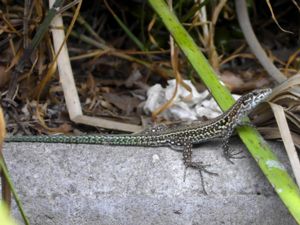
(107, 185)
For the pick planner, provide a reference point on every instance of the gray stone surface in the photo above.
(107, 185)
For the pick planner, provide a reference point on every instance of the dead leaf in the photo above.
(4, 76)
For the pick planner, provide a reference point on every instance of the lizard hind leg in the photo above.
(187, 159)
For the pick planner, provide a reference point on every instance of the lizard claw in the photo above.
(201, 167)
(229, 155)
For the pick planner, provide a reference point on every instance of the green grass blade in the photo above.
(126, 30)
(4, 215)
(267, 161)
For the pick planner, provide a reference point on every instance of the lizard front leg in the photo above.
(229, 154)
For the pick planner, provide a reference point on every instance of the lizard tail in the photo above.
(84, 139)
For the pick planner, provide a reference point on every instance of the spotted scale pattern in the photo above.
(183, 136)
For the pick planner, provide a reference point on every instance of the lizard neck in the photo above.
(236, 113)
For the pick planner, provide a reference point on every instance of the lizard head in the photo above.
(251, 100)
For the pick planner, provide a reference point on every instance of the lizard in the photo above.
(181, 136)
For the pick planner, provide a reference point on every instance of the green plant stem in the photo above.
(261, 152)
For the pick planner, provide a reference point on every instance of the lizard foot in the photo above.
(201, 168)
(229, 155)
